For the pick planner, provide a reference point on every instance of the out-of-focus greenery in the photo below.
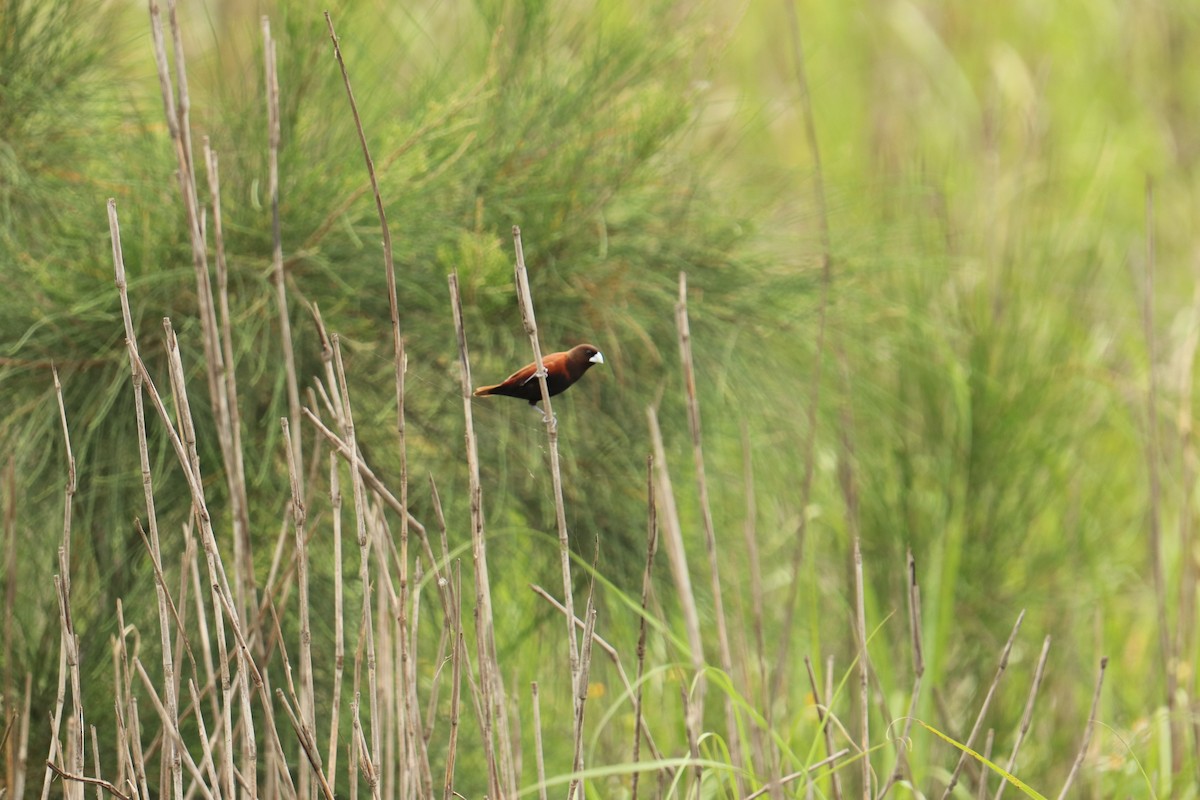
(985, 169)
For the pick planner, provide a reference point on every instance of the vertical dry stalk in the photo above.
(306, 704)
(864, 670)
(285, 322)
(70, 639)
(710, 535)
(457, 653)
(823, 716)
(367, 626)
(169, 681)
(1026, 716)
(525, 300)
(537, 745)
(647, 574)
(987, 701)
(988, 741)
(222, 597)
(230, 418)
(581, 693)
(677, 558)
(339, 633)
(1166, 654)
(11, 777)
(490, 683)
(1087, 732)
(918, 654)
(60, 700)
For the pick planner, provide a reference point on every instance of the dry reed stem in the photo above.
(171, 729)
(693, 741)
(710, 534)
(581, 694)
(677, 558)
(339, 633)
(1087, 731)
(988, 741)
(207, 762)
(612, 653)
(278, 278)
(367, 626)
(647, 574)
(864, 669)
(537, 743)
(71, 640)
(525, 300)
(823, 714)
(231, 417)
(189, 459)
(1026, 716)
(411, 734)
(1154, 519)
(805, 773)
(306, 700)
(983, 709)
(490, 684)
(918, 655)
(100, 783)
(174, 766)
(11, 777)
(308, 744)
(456, 658)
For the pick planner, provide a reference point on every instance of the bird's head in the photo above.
(583, 356)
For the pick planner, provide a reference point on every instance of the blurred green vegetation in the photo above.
(986, 170)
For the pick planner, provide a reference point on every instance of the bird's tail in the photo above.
(484, 391)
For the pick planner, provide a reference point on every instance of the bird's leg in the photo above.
(545, 418)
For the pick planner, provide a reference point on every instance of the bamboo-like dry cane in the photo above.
(1026, 717)
(651, 548)
(710, 535)
(308, 744)
(539, 758)
(174, 765)
(490, 684)
(71, 640)
(581, 694)
(360, 518)
(525, 300)
(612, 653)
(235, 466)
(918, 655)
(277, 275)
(988, 741)
(672, 536)
(864, 670)
(306, 702)
(458, 652)
(983, 709)
(339, 633)
(99, 783)
(11, 777)
(1087, 732)
(171, 729)
(823, 713)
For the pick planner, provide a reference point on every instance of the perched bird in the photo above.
(562, 370)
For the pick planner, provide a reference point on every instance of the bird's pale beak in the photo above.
(597, 359)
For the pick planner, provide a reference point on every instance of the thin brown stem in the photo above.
(1087, 732)
(983, 709)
